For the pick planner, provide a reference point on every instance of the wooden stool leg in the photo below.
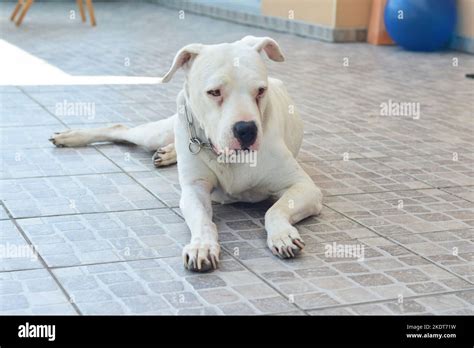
(19, 4)
(376, 32)
(25, 9)
(91, 11)
(80, 4)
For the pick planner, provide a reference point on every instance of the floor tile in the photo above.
(3, 213)
(29, 163)
(163, 182)
(15, 252)
(26, 117)
(74, 194)
(32, 292)
(404, 212)
(130, 158)
(443, 304)
(96, 238)
(337, 277)
(358, 176)
(153, 287)
(452, 249)
(19, 138)
(100, 113)
(455, 169)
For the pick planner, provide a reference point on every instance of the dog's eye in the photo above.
(214, 92)
(261, 91)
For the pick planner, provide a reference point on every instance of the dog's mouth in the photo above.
(227, 151)
(214, 148)
(233, 149)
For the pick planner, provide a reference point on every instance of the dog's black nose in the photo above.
(245, 132)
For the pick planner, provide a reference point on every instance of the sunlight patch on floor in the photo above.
(20, 68)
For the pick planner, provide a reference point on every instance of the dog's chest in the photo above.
(238, 181)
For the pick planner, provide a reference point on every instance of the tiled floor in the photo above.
(106, 223)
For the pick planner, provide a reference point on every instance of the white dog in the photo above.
(228, 107)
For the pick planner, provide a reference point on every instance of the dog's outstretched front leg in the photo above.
(300, 200)
(202, 253)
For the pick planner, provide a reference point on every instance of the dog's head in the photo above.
(227, 86)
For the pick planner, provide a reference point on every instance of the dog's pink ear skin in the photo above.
(182, 59)
(267, 44)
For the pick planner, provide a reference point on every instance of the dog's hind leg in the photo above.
(83, 137)
(151, 135)
(154, 136)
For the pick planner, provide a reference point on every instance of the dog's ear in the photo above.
(270, 46)
(183, 59)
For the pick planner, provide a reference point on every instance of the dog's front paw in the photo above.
(201, 256)
(285, 244)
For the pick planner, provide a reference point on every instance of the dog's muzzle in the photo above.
(245, 132)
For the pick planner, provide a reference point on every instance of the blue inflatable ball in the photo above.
(421, 25)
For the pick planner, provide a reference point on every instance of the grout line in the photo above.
(58, 176)
(455, 195)
(284, 313)
(426, 183)
(110, 262)
(421, 233)
(282, 294)
(135, 180)
(403, 246)
(54, 125)
(5, 127)
(42, 106)
(441, 188)
(373, 192)
(431, 187)
(146, 105)
(20, 270)
(86, 213)
(412, 297)
(42, 261)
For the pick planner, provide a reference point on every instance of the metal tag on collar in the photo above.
(195, 143)
(194, 146)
